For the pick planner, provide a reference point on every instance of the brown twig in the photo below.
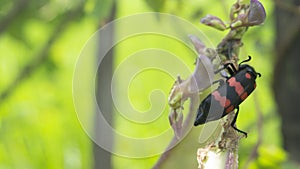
(292, 32)
(287, 7)
(290, 37)
(285, 42)
(253, 154)
(41, 56)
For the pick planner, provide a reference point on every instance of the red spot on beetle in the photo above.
(227, 103)
(239, 89)
(248, 76)
(224, 102)
(244, 96)
(230, 109)
(254, 85)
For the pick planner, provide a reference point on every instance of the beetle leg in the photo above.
(224, 67)
(220, 81)
(234, 120)
(230, 68)
(179, 80)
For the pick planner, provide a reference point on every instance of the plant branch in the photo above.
(185, 128)
(15, 11)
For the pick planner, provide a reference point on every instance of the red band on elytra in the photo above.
(239, 89)
(224, 102)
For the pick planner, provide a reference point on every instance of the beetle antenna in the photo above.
(247, 60)
(259, 75)
(230, 68)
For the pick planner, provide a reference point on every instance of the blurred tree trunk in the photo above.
(102, 158)
(287, 73)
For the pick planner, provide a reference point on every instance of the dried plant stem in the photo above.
(185, 127)
(223, 151)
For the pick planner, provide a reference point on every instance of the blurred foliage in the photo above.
(38, 125)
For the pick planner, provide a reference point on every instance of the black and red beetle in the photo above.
(229, 95)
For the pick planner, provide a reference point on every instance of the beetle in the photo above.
(229, 95)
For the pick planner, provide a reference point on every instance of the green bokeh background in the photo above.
(38, 123)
